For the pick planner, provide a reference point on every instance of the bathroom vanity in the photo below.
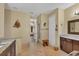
(8, 47)
(69, 43)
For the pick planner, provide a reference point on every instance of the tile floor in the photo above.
(34, 49)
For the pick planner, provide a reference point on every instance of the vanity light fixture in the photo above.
(76, 12)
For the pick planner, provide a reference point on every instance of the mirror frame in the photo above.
(69, 32)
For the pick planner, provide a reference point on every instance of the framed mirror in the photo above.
(73, 26)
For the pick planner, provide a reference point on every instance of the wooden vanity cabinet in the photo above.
(76, 45)
(66, 45)
(13, 49)
(10, 51)
(69, 45)
(63, 43)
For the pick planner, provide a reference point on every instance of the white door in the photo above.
(52, 33)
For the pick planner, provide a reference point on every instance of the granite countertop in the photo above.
(5, 43)
(71, 36)
(74, 53)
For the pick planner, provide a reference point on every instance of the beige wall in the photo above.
(60, 24)
(59, 13)
(10, 19)
(22, 33)
(1, 20)
(7, 22)
(43, 18)
(44, 30)
(69, 15)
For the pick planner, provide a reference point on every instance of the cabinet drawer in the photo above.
(68, 40)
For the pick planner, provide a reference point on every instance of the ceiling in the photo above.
(36, 8)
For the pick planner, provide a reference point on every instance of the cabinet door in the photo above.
(76, 45)
(12, 49)
(68, 45)
(63, 43)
